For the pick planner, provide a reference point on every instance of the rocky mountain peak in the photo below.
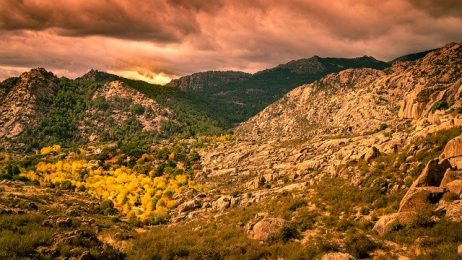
(96, 75)
(90, 75)
(37, 82)
(25, 100)
(37, 72)
(118, 104)
(310, 65)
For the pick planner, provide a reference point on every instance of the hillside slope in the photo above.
(359, 101)
(38, 109)
(23, 100)
(364, 163)
(236, 96)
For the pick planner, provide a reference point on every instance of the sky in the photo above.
(157, 40)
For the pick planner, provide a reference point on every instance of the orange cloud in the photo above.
(162, 39)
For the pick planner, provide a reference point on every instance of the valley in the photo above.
(319, 158)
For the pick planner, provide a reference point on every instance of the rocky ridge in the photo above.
(358, 101)
(25, 101)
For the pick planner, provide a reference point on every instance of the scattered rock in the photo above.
(267, 228)
(64, 222)
(453, 152)
(454, 211)
(420, 198)
(394, 221)
(222, 203)
(72, 213)
(32, 206)
(189, 205)
(371, 153)
(432, 174)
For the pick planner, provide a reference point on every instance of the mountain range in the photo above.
(38, 103)
(319, 158)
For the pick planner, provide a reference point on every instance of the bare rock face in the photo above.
(420, 198)
(453, 152)
(454, 211)
(455, 187)
(442, 68)
(419, 102)
(340, 103)
(394, 221)
(25, 101)
(432, 174)
(450, 176)
(267, 228)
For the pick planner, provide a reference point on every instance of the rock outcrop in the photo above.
(453, 152)
(394, 221)
(267, 228)
(432, 174)
(424, 197)
(421, 198)
(24, 101)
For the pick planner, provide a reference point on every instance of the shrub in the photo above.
(106, 208)
(101, 103)
(138, 109)
(359, 245)
(297, 203)
(65, 185)
(288, 233)
(306, 219)
(383, 126)
(440, 105)
(20, 235)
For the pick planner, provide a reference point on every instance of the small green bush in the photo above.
(297, 203)
(359, 245)
(106, 208)
(440, 105)
(383, 126)
(138, 109)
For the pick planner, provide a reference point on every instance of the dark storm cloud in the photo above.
(177, 37)
(140, 20)
(439, 8)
